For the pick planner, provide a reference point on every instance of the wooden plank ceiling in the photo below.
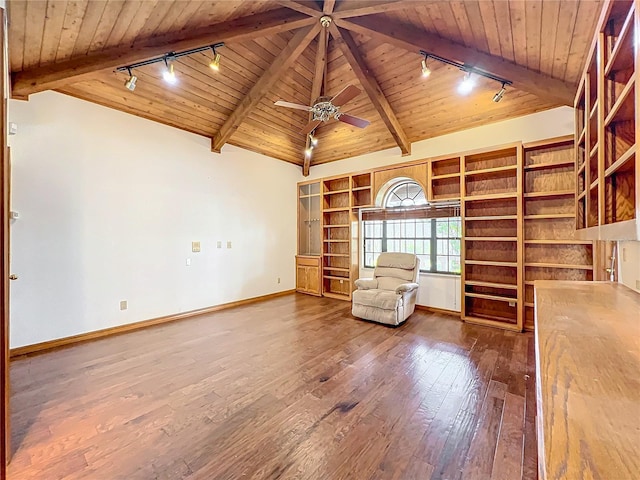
(74, 47)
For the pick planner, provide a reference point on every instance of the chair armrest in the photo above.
(406, 287)
(366, 283)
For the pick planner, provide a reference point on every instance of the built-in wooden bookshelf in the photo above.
(491, 207)
(309, 238)
(607, 185)
(444, 179)
(551, 250)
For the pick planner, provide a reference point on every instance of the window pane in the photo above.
(455, 229)
(454, 264)
(410, 230)
(406, 194)
(442, 263)
(425, 262)
(442, 247)
(368, 260)
(442, 228)
(454, 247)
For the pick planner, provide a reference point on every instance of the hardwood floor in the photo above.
(288, 388)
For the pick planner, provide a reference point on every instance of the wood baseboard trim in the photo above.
(129, 327)
(439, 310)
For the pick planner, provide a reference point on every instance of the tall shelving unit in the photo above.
(444, 179)
(309, 238)
(491, 208)
(607, 186)
(551, 250)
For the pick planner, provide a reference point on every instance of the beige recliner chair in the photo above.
(390, 296)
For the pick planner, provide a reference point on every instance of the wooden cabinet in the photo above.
(492, 237)
(308, 275)
(309, 219)
(607, 174)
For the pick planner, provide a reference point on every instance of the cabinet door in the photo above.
(301, 278)
(313, 280)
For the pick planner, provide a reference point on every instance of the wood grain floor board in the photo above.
(290, 388)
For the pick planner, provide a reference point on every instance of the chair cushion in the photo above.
(405, 261)
(405, 275)
(385, 299)
(390, 283)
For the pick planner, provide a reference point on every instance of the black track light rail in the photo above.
(169, 56)
(466, 68)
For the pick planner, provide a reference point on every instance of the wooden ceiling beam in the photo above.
(310, 8)
(57, 75)
(319, 82)
(328, 6)
(280, 64)
(358, 8)
(350, 50)
(412, 39)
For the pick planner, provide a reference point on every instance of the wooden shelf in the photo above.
(582, 195)
(582, 136)
(559, 265)
(336, 209)
(491, 196)
(506, 323)
(549, 216)
(618, 164)
(542, 166)
(621, 56)
(594, 184)
(342, 255)
(311, 195)
(624, 108)
(529, 304)
(334, 192)
(335, 277)
(491, 239)
(558, 193)
(337, 226)
(558, 242)
(360, 189)
(477, 283)
(486, 296)
(445, 176)
(331, 240)
(491, 263)
(339, 296)
(337, 269)
(489, 171)
(581, 167)
(594, 111)
(594, 150)
(491, 218)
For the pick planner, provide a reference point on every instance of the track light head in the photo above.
(169, 74)
(426, 71)
(467, 84)
(313, 141)
(214, 64)
(498, 96)
(308, 151)
(130, 84)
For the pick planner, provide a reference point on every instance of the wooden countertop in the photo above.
(588, 380)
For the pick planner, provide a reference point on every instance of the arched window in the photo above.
(405, 194)
(408, 224)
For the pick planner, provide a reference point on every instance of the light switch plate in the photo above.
(195, 247)
(228, 244)
(123, 305)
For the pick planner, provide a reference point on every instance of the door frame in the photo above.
(5, 452)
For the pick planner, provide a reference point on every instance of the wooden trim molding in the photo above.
(85, 337)
(442, 311)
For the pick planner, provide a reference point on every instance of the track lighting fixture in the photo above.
(426, 71)
(308, 151)
(130, 84)
(313, 141)
(470, 72)
(498, 96)
(169, 73)
(168, 59)
(467, 84)
(214, 64)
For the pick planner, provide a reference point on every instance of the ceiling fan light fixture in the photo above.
(498, 96)
(467, 84)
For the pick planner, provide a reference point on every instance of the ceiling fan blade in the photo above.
(346, 94)
(311, 126)
(351, 120)
(282, 103)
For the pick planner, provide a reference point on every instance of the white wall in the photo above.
(629, 258)
(443, 291)
(109, 204)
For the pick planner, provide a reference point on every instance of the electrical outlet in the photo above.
(195, 247)
(188, 262)
(228, 244)
(123, 305)
(278, 279)
(219, 244)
